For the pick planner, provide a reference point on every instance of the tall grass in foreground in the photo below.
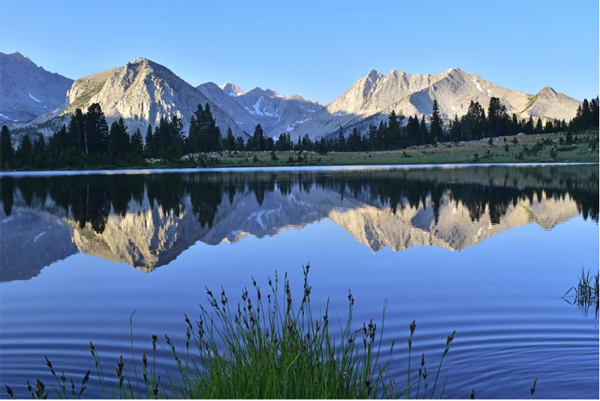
(266, 347)
(585, 293)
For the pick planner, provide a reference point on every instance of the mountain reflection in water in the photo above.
(147, 220)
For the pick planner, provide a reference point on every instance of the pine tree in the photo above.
(118, 140)
(354, 141)
(412, 132)
(96, 130)
(435, 129)
(341, 141)
(528, 128)
(456, 129)
(258, 140)
(162, 138)
(306, 143)
(23, 154)
(230, 140)
(498, 120)
(423, 131)
(59, 141)
(149, 147)
(195, 144)
(392, 138)
(586, 114)
(213, 134)
(175, 138)
(76, 132)
(595, 117)
(538, 126)
(137, 146)
(239, 143)
(39, 151)
(474, 122)
(7, 152)
(586, 117)
(515, 127)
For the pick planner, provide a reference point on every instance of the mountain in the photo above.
(26, 90)
(372, 98)
(275, 112)
(141, 92)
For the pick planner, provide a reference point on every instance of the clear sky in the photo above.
(317, 49)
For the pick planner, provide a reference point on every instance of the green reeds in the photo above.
(265, 347)
(276, 348)
(585, 294)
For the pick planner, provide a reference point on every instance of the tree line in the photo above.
(87, 140)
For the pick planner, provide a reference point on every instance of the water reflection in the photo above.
(585, 294)
(147, 220)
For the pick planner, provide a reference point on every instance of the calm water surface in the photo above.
(486, 251)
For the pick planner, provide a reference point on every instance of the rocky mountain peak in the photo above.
(374, 75)
(548, 90)
(456, 72)
(271, 92)
(16, 56)
(140, 60)
(232, 89)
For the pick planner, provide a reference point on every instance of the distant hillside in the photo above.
(27, 91)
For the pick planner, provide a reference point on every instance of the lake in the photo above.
(488, 251)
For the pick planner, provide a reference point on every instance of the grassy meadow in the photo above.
(542, 148)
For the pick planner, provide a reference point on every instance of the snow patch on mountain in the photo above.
(34, 98)
(8, 118)
(39, 235)
(256, 107)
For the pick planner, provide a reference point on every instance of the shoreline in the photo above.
(300, 168)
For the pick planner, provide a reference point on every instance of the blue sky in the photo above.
(317, 49)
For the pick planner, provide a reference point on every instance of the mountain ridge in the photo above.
(376, 95)
(143, 91)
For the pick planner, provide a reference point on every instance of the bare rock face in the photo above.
(28, 91)
(548, 102)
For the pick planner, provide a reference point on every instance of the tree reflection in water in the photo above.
(92, 198)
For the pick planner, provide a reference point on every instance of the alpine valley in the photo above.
(142, 92)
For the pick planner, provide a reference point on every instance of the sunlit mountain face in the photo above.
(147, 220)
